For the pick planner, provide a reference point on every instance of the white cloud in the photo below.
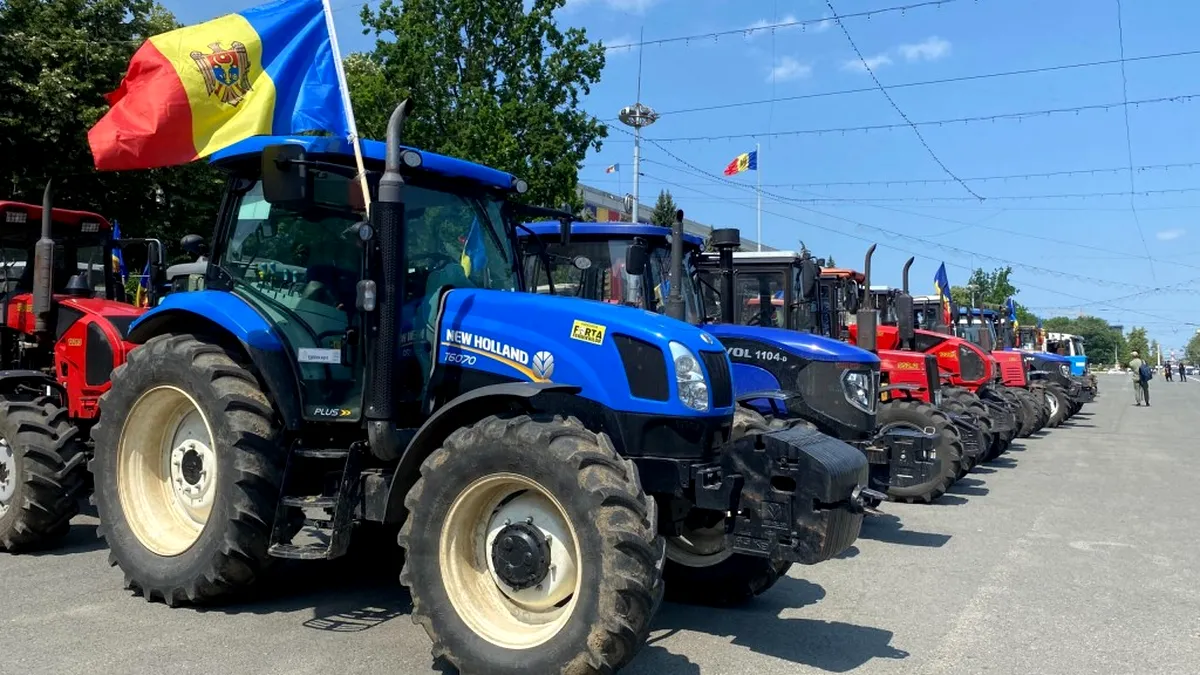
(1174, 233)
(823, 26)
(931, 49)
(873, 62)
(761, 27)
(789, 68)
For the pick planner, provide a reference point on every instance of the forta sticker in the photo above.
(591, 333)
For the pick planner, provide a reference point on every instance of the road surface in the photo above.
(1076, 553)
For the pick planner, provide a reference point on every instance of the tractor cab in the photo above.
(1070, 346)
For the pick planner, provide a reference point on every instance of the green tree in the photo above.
(1136, 341)
(664, 210)
(829, 262)
(57, 60)
(991, 288)
(1193, 349)
(494, 81)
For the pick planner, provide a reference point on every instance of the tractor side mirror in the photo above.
(194, 244)
(635, 259)
(285, 178)
(809, 273)
(905, 317)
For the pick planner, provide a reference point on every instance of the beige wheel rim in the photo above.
(497, 612)
(166, 470)
(8, 475)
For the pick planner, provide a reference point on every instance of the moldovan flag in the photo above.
(195, 90)
(747, 161)
(941, 284)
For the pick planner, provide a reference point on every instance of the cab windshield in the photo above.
(595, 270)
(1077, 347)
(974, 333)
(74, 253)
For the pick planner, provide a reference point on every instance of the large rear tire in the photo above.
(187, 471)
(700, 568)
(963, 402)
(1057, 402)
(1029, 412)
(43, 474)
(918, 415)
(530, 547)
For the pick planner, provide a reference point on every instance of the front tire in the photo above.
(700, 568)
(531, 548)
(43, 474)
(1057, 402)
(187, 471)
(919, 416)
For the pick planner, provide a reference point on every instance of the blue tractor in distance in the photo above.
(825, 383)
(539, 456)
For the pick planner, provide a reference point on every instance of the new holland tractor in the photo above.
(966, 370)
(550, 463)
(65, 318)
(824, 383)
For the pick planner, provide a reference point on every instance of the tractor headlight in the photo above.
(859, 387)
(689, 378)
(1064, 369)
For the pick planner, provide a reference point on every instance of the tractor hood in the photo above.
(811, 347)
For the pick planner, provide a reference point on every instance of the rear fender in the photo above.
(468, 408)
(231, 322)
(10, 379)
(909, 391)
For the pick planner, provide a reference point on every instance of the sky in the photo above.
(1077, 240)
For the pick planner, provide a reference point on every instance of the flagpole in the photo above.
(758, 170)
(351, 125)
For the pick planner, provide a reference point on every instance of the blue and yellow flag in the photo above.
(1012, 315)
(188, 93)
(941, 284)
(474, 255)
(142, 297)
(118, 259)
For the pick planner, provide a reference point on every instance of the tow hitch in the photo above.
(912, 455)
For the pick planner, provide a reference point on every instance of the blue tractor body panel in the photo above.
(1078, 364)
(807, 345)
(567, 342)
(450, 167)
(551, 228)
(224, 309)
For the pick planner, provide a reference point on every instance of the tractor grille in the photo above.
(932, 375)
(717, 365)
(645, 368)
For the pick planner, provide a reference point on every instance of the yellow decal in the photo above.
(74, 342)
(592, 333)
(904, 365)
(947, 355)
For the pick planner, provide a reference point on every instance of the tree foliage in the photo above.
(1136, 341)
(664, 210)
(829, 262)
(1192, 351)
(493, 81)
(991, 288)
(57, 60)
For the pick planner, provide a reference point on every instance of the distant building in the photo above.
(606, 207)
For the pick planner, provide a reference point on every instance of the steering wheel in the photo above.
(435, 256)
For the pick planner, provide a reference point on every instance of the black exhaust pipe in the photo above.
(868, 317)
(674, 305)
(387, 214)
(907, 265)
(43, 267)
(726, 241)
(905, 314)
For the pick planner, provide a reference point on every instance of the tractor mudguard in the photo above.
(32, 378)
(802, 494)
(909, 390)
(463, 409)
(227, 315)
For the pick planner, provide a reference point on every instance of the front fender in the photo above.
(460, 411)
(228, 317)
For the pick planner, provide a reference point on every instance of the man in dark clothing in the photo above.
(1168, 372)
(1182, 372)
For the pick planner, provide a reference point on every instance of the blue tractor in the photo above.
(788, 375)
(549, 464)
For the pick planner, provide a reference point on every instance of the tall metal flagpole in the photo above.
(637, 116)
(351, 125)
(758, 170)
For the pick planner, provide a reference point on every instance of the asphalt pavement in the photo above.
(1074, 553)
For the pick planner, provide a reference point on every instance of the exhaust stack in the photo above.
(674, 305)
(868, 317)
(726, 241)
(43, 267)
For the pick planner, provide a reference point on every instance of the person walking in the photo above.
(1168, 372)
(1182, 372)
(1141, 379)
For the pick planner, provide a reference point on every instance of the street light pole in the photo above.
(637, 116)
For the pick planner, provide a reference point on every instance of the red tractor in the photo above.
(65, 319)
(967, 371)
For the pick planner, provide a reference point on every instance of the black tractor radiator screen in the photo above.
(645, 368)
(719, 377)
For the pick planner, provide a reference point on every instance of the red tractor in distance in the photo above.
(65, 319)
(962, 366)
